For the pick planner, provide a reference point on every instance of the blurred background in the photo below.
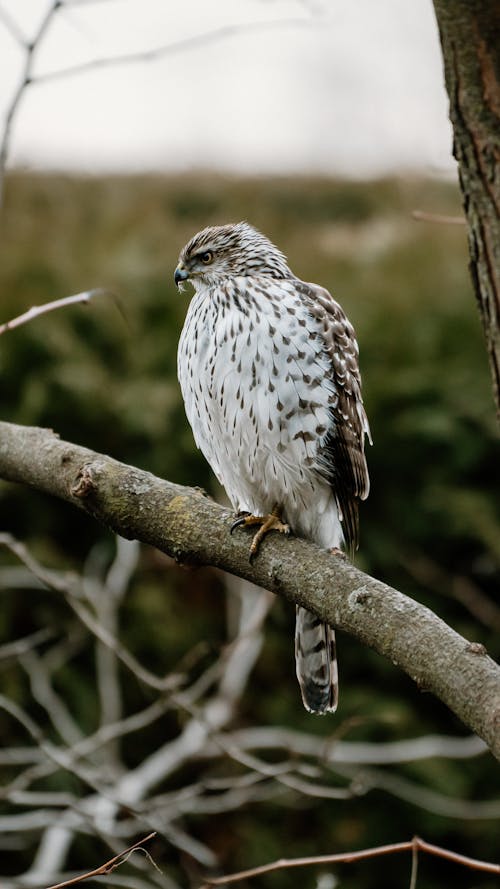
(325, 126)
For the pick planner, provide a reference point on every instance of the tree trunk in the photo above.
(470, 40)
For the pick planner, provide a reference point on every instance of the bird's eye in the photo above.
(206, 257)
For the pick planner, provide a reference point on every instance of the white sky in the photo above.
(342, 86)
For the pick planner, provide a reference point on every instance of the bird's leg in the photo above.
(271, 522)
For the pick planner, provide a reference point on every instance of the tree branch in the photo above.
(170, 49)
(415, 845)
(31, 48)
(187, 525)
(108, 866)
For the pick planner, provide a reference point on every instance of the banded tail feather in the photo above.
(316, 662)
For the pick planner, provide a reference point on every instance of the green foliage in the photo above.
(430, 527)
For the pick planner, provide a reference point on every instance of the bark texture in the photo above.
(470, 40)
(187, 525)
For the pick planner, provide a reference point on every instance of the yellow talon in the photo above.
(271, 522)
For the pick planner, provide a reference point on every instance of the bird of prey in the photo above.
(268, 368)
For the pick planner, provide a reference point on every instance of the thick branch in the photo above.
(187, 525)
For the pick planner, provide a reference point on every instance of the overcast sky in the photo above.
(340, 86)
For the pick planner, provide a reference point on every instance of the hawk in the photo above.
(268, 368)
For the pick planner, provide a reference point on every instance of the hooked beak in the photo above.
(180, 275)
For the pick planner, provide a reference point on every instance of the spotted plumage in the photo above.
(268, 368)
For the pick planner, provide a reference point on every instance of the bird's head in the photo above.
(227, 251)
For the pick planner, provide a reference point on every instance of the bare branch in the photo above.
(170, 49)
(86, 746)
(439, 218)
(333, 750)
(69, 586)
(109, 866)
(428, 573)
(190, 527)
(200, 738)
(25, 81)
(46, 696)
(36, 311)
(106, 596)
(349, 857)
(12, 27)
(56, 755)
(11, 756)
(363, 781)
(118, 789)
(28, 79)
(414, 867)
(41, 768)
(26, 644)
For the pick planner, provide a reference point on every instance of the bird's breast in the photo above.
(256, 386)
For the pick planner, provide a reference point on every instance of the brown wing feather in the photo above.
(344, 456)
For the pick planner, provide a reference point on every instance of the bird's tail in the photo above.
(316, 662)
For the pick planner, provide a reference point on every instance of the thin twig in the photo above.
(417, 794)
(25, 81)
(278, 772)
(36, 311)
(414, 867)
(347, 857)
(440, 218)
(12, 27)
(27, 643)
(108, 866)
(167, 49)
(333, 751)
(459, 587)
(474, 863)
(44, 693)
(68, 587)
